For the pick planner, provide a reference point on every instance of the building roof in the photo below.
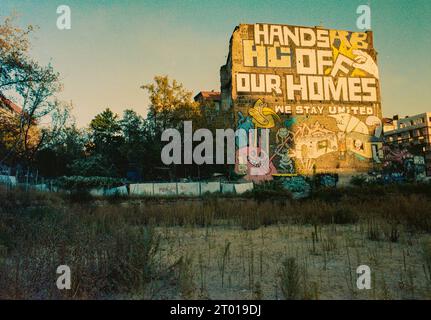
(387, 120)
(208, 95)
(6, 103)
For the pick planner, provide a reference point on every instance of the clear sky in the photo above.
(116, 46)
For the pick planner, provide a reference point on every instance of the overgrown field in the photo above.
(264, 246)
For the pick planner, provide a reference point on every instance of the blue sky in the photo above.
(116, 46)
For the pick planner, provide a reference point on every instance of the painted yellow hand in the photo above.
(366, 63)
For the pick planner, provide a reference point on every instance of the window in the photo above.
(419, 121)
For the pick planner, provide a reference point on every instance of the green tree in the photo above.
(134, 148)
(105, 143)
(170, 105)
(57, 158)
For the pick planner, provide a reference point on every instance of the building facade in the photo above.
(412, 133)
(9, 107)
(209, 96)
(316, 89)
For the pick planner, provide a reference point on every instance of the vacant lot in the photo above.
(232, 263)
(260, 247)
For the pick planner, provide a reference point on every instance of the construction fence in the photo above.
(193, 189)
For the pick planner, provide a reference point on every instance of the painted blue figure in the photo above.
(289, 122)
(245, 123)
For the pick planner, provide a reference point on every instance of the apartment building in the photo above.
(412, 133)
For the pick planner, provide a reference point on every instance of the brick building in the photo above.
(209, 96)
(316, 89)
(8, 106)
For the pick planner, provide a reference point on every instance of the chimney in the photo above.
(395, 119)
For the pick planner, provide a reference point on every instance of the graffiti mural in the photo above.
(284, 142)
(312, 142)
(245, 123)
(254, 164)
(262, 116)
(298, 186)
(316, 89)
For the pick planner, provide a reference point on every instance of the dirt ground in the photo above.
(227, 262)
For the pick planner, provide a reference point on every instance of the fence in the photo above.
(8, 180)
(193, 189)
(188, 188)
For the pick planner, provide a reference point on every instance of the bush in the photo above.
(86, 183)
(108, 255)
(359, 180)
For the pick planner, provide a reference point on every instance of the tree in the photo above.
(38, 102)
(106, 129)
(59, 156)
(170, 103)
(14, 45)
(33, 86)
(133, 148)
(104, 147)
(132, 127)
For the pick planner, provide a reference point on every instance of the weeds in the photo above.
(223, 262)
(115, 250)
(426, 256)
(186, 277)
(289, 279)
(373, 230)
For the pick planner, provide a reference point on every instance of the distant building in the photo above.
(209, 96)
(412, 133)
(8, 106)
(11, 126)
(389, 123)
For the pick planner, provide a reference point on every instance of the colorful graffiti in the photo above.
(254, 164)
(312, 142)
(245, 123)
(284, 140)
(309, 142)
(400, 162)
(297, 185)
(395, 156)
(301, 141)
(318, 91)
(263, 116)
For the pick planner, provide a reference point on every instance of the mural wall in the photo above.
(317, 90)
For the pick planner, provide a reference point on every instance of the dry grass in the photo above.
(217, 248)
